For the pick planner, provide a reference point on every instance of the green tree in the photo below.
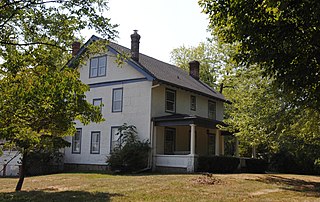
(261, 118)
(41, 96)
(211, 56)
(281, 36)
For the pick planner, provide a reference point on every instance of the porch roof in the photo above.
(186, 120)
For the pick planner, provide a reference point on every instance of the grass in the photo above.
(157, 187)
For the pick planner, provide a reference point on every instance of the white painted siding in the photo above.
(136, 110)
(114, 72)
(183, 103)
(12, 168)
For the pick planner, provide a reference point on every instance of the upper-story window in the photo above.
(193, 103)
(170, 100)
(98, 102)
(117, 95)
(98, 66)
(211, 110)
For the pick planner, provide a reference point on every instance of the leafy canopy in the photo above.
(281, 36)
(41, 96)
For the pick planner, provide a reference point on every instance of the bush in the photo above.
(256, 165)
(218, 164)
(130, 154)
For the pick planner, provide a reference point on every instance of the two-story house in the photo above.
(170, 107)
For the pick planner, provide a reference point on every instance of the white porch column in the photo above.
(154, 147)
(237, 147)
(217, 152)
(193, 139)
(222, 145)
(254, 152)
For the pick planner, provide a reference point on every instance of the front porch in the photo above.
(178, 141)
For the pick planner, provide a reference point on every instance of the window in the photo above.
(117, 100)
(169, 140)
(170, 100)
(95, 143)
(193, 103)
(76, 142)
(98, 66)
(211, 144)
(97, 102)
(211, 110)
(114, 138)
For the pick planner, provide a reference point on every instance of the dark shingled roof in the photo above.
(166, 73)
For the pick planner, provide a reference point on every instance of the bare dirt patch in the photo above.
(208, 179)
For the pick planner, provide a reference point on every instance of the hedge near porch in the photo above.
(218, 164)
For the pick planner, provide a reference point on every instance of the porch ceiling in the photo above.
(186, 120)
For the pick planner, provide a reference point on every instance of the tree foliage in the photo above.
(211, 55)
(282, 37)
(261, 117)
(41, 96)
(130, 154)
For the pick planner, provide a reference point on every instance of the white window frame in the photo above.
(170, 101)
(76, 142)
(100, 69)
(114, 100)
(95, 146)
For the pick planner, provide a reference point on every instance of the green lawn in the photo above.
(156, 187)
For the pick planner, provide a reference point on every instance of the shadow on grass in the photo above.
(292, 184)
(69, 196)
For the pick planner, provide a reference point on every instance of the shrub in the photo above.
(130, 154)
(218, 164)
(256, 165)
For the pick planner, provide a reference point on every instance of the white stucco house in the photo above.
(169, 106)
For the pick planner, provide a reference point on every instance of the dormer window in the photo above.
(98, 66)
(170, 101)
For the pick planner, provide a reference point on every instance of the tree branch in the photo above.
(32, 43)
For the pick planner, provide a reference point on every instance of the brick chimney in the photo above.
(135, 40)
(194, 67)
(75, 48)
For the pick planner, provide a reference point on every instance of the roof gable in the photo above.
(154, 69)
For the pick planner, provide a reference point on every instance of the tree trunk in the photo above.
(22, 172)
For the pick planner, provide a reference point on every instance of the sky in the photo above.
(162, 24)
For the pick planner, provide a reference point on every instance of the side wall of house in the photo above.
(183, 103)
(136, 109)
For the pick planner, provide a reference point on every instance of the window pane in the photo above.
(94, 63)
(95, 142)
(94, 72)
(102, 61)
(117, 94)
(117, 100)
(76, 142)
(169, 142)
(170, 96)
(114, 138)
(170, 100)
(116, 106)
(94, 67)
(170, 106)
(102, 71)
(212, 110)
(97, 102)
